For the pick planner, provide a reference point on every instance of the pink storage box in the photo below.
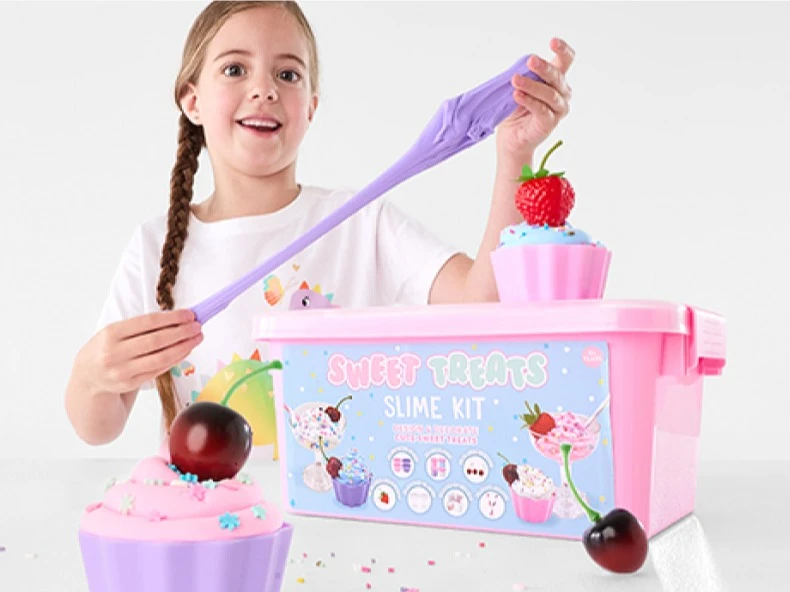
(440, 393)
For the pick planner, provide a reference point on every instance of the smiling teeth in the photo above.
(261, 124)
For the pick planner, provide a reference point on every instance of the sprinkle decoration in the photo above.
(198, 492)
(126, 504)
(259, 512)
(229, 521)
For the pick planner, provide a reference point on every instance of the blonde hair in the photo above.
(190, 143)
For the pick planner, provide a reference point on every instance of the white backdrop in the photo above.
(676, 145)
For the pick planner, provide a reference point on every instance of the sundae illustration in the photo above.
(549, 431)
(309, 423)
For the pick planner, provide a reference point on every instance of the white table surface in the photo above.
(736, 540)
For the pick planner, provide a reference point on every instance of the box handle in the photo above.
(707, 351)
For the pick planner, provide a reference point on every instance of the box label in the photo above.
(425, 430)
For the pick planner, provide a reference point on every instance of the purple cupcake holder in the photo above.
(351, 495)
(251, 564)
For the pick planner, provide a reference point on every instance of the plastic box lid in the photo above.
(482, 320)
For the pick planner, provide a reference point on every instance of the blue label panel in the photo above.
(464, 435)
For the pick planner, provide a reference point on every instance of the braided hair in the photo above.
(191, 141)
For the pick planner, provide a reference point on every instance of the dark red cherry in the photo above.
(334, 412)
(210, 441)
(334, 464)
(617, 542)
(510, 471)
(333, 467)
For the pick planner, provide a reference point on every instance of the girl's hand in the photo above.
(541, 106)
(124, 355)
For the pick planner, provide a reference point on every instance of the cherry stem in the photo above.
(503, 458)
(591, 514)
(545, 158)
(274, 364)
(341, 401)
(321, 448)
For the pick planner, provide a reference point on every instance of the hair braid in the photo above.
(190, 143)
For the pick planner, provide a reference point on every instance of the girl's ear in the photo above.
(312, 108)
(189, 104)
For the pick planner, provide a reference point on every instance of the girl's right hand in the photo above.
(124, 355)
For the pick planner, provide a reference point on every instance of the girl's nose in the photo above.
(267, 92)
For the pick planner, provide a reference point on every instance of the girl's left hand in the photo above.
(541, 106)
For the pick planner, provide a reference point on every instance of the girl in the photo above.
(247, 92)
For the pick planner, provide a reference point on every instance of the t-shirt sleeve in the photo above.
(409, 257)
(125, 296)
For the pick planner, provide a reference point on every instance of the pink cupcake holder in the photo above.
(530, 273)
(532, 510)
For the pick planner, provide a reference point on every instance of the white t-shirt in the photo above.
(377, 257)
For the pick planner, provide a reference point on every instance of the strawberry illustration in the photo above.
(539, 422)
(544, 197)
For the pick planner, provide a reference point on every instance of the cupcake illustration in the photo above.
(350, 477)
(533, 492)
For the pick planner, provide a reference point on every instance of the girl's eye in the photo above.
(290, 76)
(233, 70)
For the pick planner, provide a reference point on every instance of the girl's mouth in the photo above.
(262, 127)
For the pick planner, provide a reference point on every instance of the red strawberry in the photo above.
(539, 422)
(543, 197)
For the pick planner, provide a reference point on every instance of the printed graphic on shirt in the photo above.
(185, 368)
(273, 289)
(276, 292)
(307, 297)
(253, 396)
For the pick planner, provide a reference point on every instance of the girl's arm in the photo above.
(541, 106)
(110, 369)
(463, 279)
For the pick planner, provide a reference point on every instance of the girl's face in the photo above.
(253, 95)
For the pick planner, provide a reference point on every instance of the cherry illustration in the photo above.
(334, 412)
(616, 542)
(210, 440)
(334, 464)
(510, 471)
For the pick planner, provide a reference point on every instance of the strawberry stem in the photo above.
(545, 158)
(276, 364)
(591, 514)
